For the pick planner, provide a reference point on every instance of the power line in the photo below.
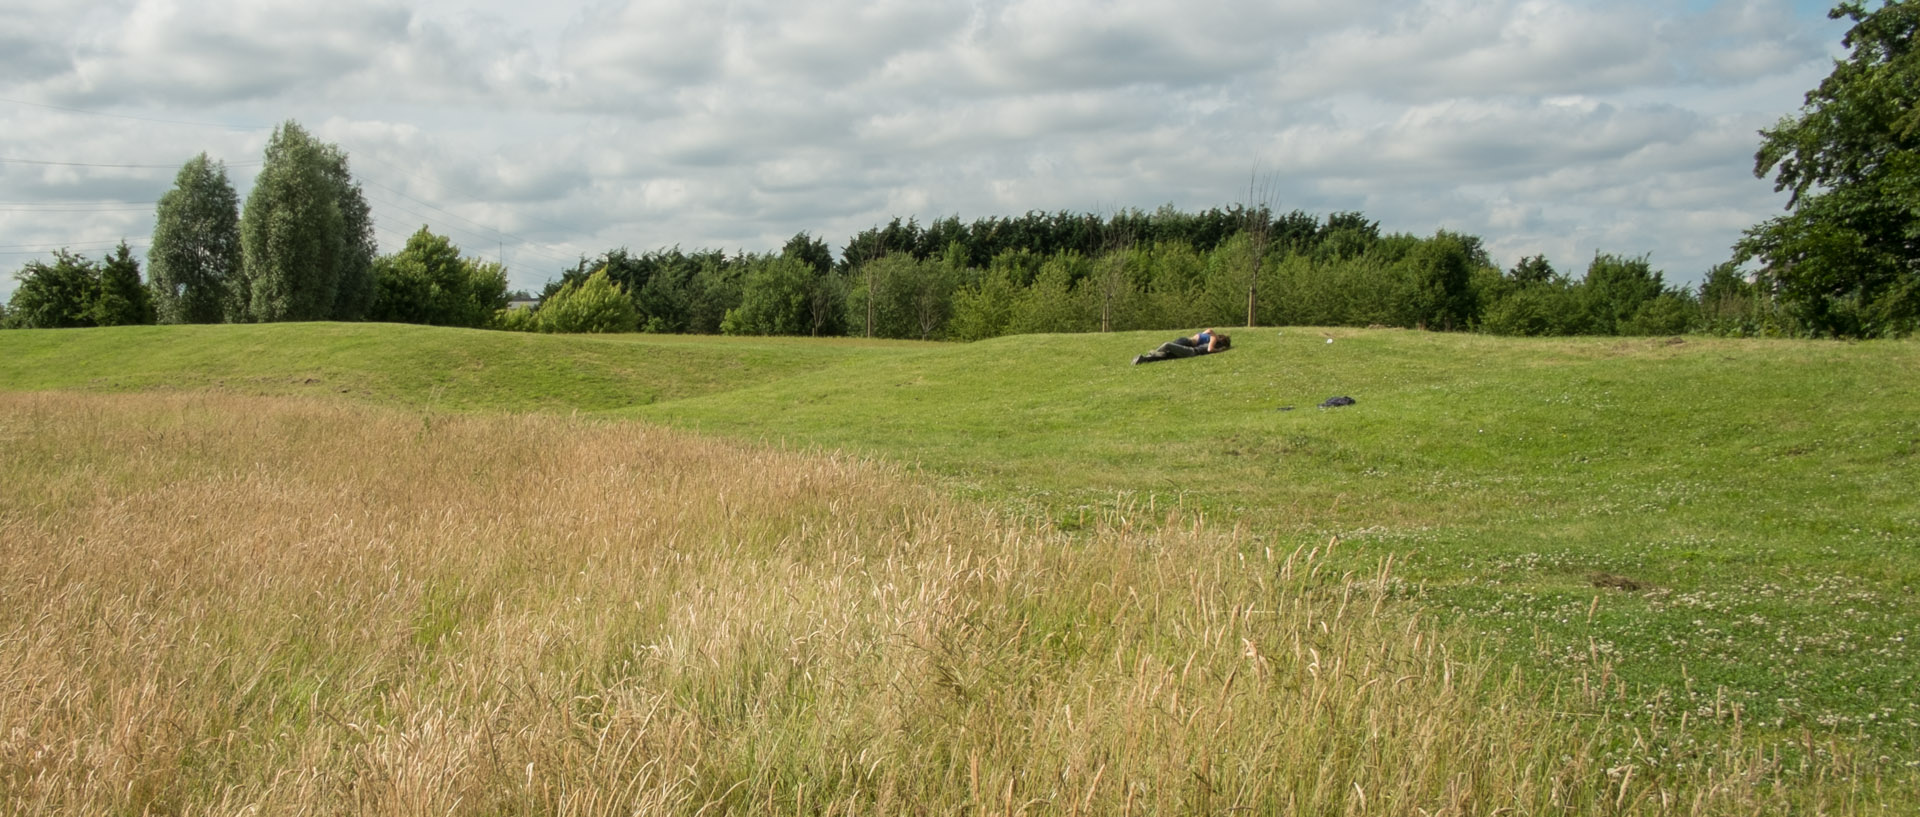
(77, 248)
(364, 157)
(448, 188)
(496, 232)
(133, 118)
(77, 202)
(488, 234)
(43, 162)
(430, 219)
(529, 248)
(49, 246)
(29, 208)
(525, 246)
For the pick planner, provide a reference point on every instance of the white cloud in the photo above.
(1557, 126)
(1445, 48)
(222, 51)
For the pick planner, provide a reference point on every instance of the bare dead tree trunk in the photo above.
(866, 266)
(1258, 211)
(1118, 239)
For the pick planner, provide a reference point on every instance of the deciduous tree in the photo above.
(593, 305)
(1532, 270)
(55, 296)
(1442, 271)
(1615, 289)
(121, 299)
(429, 282)
(306, 236)
(1846, 257)
(196, 245)
(774, 299)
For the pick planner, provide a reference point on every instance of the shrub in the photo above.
(594, 305)
(516, 320)
(1670, 314)
(428, 282)
(984, 309)
(74, 291)
(774, 299)
(1533, 310)
(1615, 289)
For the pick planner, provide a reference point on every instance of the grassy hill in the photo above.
(456, 369)
(1718, 521)
(1708, 523)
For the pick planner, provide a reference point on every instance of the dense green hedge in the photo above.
(1165, 270)
(1039, 273)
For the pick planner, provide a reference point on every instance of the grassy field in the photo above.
(219, 604)
(1713, 522)
(1703, 548)
(452, 369)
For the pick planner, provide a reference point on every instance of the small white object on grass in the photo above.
(1329, 340)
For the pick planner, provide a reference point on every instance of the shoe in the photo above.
(1139, 359)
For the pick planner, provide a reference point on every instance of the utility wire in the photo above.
(450, 189)
(43, 162)
(76, 202)
(47, 246)
(526, 246)
(29, 208)
(491, 233)
(539, 250)
(133, 118)
(78, 248)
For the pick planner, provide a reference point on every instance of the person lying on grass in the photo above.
(1206, 342)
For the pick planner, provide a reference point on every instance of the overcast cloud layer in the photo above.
(1554, 127)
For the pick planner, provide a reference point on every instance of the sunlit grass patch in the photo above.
(1505, 471)
(210, 603)
(445, 368)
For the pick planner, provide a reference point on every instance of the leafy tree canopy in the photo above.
(1531, 270)
(596, 304)
(196, 245)
(121, 299)
(74, 291)
(774, 298)
(429, 282)
(1616, 288)
(307, 236)
(54, 296)
(1846, 257)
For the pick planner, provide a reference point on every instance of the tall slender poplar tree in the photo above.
(196, 245)
(306, 235)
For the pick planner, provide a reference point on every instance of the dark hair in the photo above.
(1221, 342)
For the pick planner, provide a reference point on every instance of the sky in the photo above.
(535, 134)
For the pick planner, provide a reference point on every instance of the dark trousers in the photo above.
(1173, 350)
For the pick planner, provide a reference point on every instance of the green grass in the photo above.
(454, 369)
(1704, 524)
(218, 604)
(1753, 497)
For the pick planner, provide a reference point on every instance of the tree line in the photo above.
(294, 255)
(301, 249)
(1844, 261)
(950, 280)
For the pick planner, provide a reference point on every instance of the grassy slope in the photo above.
(1756, 493)
(411, 365)
(216, 604)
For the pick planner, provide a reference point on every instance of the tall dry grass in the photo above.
(218, 605)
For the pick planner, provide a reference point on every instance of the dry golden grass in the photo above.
(218, 605)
